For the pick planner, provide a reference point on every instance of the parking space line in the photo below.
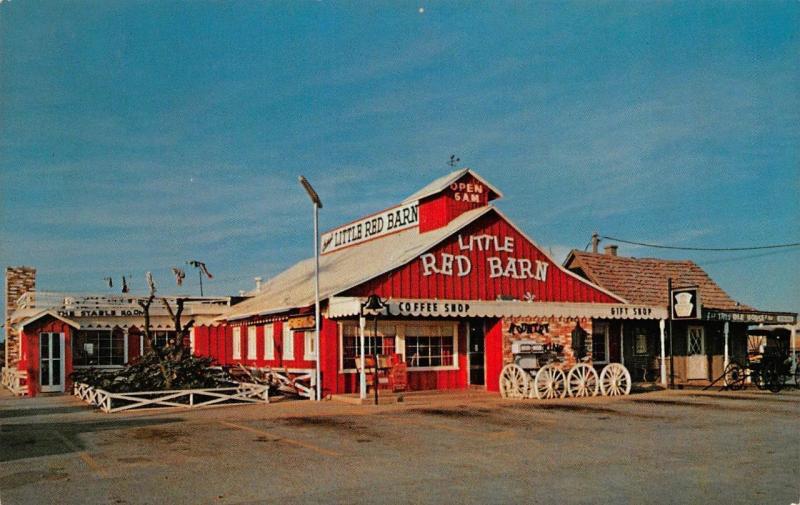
(275, 438)
(83, 455)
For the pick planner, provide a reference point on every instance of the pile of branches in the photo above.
(152, 372)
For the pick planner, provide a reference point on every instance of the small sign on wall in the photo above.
(685, 303)
(301, 323)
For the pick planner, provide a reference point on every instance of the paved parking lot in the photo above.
(466, 447)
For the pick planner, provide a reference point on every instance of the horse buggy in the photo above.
(538, 371)
(768, 364)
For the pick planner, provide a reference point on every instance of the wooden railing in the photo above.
(185, 398)
(15, 380)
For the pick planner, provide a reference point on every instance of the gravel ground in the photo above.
(463, 447)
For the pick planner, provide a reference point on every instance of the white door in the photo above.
(51, 362)
(696, 360)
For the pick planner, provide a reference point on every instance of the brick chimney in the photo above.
(19, 280)
(610, 250)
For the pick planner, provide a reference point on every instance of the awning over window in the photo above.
(351, 306)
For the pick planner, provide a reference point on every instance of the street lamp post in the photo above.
(374, 304)
(317, 205)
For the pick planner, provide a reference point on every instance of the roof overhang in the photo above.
(351, 306)
(444, 182)
(45, 313)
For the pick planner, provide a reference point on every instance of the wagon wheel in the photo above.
(513, 382)
(615, 380)
(734, 376)
(757, 377)
(550, 383)
(797, 374)
(582, 381)
(773, 377)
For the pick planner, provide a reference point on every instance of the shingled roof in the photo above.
(345, 268)
(645, 280)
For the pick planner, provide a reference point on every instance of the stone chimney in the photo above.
(19, 280)
(258, 283)
(611, 250)
(595, 242)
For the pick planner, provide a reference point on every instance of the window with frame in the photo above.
(288, 341)
(269, 342)
(383, 343)
(696, 341)
(600, 342)
(429, 345)
(309, 352)
(251, 342)
(640, 344)
(236, 346)
(162, 338)
(98, 348)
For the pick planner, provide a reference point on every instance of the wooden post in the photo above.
(661, 326)
(726, 358)
(362, 376)
(671, 354)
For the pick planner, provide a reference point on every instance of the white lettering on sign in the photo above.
(516, 268)
(383, 223)
(467, 192)
(461, 265)
(486, 243)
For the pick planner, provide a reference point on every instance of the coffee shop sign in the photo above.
(460, 265)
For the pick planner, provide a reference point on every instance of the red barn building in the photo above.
(461, 283)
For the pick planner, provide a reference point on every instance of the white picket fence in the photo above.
(185, 398)
(15, 380)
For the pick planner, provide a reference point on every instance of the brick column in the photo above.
(19, 280)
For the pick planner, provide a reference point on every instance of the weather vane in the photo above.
(453, 160)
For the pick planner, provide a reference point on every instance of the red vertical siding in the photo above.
(134, 352)
(437, 210)
(31, 352)
(409, 281)
(494, 353)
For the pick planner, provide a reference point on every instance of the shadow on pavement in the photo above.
(19, 441)
(40, 411)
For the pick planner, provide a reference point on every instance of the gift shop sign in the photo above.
(377, 225)
(460, 265)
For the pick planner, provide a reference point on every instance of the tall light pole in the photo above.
(317, 205)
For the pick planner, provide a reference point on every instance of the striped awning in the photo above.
(351, 306)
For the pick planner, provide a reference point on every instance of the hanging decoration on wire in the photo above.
(201, 271)
(125, 288)
(109, 281)
(179, 275)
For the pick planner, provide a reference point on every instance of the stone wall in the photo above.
(555, 332)
(19, 280)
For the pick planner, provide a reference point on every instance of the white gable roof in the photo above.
(346, 268)
(443, 182)
(43, 313)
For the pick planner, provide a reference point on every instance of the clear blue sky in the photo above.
(137, 135)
